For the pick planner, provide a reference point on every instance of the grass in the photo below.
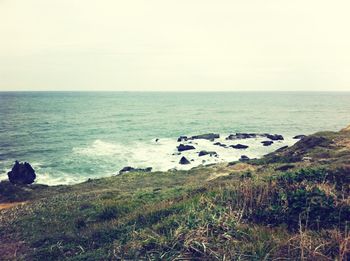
(222, 212)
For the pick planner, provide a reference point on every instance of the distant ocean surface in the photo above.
(69, 137)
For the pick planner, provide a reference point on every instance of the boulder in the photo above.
(239, 146)
(244, 158)
(298, 137)
(204, 152)
(239, 136)
(184, 161)
(128, 169)
(21, 173)
(183, 147)
(267, 142)
(208, 136)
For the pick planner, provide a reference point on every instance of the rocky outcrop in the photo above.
(184, 161)
(204, 152)
(239, 146)
(131, 169)
(183, 147)
(21, 173)
(267, 142)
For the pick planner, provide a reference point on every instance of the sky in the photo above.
(175, 45)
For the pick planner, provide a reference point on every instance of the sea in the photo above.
(69, 137)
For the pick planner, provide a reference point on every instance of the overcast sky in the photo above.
(204, 45)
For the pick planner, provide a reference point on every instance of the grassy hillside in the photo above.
(292, 204)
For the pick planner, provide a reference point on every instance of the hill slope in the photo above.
(292, 204)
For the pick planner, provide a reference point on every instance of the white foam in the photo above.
(108, 158)
(162, 155)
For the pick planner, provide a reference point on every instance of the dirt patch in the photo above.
(10, 205)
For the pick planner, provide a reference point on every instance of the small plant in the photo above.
(110, 212)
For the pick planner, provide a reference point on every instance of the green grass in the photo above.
(254, 214)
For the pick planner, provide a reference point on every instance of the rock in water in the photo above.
(239, 146)
(239, 136)
(244, 158)
(274, 136)
(184, 161)
(129, 169)
(298, 137)
(208, 136)
(267, 142)
(182, 138)
(204, 152)
(21, 173)
(182, 147)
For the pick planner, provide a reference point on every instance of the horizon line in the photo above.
(180, 91)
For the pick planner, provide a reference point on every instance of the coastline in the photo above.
(136, 214)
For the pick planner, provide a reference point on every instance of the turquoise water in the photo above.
(71, 136)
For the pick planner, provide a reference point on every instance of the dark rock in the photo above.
(210, 153)
(284, 167)
(156, 140)
(267, 142)
(182, 138)
(184, 161)
(274, 136)
(220, 144)
(208, 136)
(21, 173)
(239, 136)
(244, 158)
(128, 169)
(298, 137)
(182, 147)
(239, 146)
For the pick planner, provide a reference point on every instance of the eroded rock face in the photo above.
(21, 173)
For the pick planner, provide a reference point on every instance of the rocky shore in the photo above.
(259, 208)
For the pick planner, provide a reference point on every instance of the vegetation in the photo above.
(235, 211)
